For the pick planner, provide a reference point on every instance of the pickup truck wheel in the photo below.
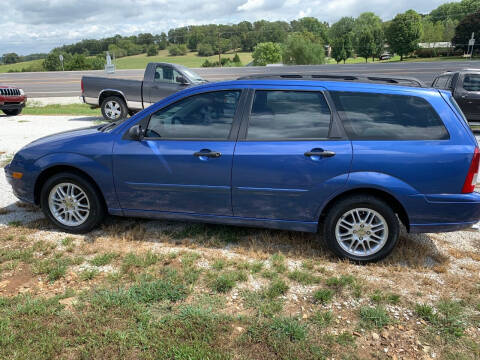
(72, 203)
(13, 112)
(114, 108)
(361, 228)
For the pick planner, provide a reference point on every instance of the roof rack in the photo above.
(405, 81)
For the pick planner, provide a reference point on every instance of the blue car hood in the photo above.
(64, 135)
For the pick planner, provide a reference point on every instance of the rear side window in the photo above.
(471, 82)
(288, 115)
(441, 82)
(371, 116)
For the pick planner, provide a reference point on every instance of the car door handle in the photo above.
(322, 153)
(208, 153)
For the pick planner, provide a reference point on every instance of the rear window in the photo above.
(288, 115)
(373, 116)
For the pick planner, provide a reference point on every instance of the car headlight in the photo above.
(22, 92)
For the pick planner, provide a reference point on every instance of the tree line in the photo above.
(301, 41)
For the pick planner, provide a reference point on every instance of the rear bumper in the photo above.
(444, 212)
(89, 100)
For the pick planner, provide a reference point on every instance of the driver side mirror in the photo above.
(136, 132)
(181, 80)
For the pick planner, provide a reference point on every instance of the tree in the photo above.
(342, 39)
(454, 10)
(369, 36)
(404, 33)
(299, 50)
(11, 58)
(312, 25)
(464, 29)
(152, 50)
(267, 53)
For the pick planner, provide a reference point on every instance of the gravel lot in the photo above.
(18, 131)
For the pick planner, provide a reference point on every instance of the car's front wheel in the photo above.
(12, 112)
(361, 228)
(72, 203)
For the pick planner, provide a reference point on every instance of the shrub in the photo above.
(152, 50)
(177, 50)
(205, 49)
(300, 50)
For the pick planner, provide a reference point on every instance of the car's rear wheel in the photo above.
(114, 108)
(12, 112)
(361, 228)
(72, 203)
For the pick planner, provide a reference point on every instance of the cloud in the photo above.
(28, 26)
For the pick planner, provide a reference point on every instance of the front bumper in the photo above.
(22, 188)
(12, 102)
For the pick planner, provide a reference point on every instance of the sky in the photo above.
(32, 26)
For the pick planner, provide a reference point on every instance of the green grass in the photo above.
(448, 319)
(191, 59)
(56, 109)
(21, 65)
(303, 277)
(375, 317)
(225, 281)
(104, 259)
(88, 274)
(323, 296)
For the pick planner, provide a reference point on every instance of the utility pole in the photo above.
(219, 57)
(471, 43)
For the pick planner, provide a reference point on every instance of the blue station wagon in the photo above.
(347, 158)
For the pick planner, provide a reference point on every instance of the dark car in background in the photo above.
(12, 100)
(118, 98)
(465, 88)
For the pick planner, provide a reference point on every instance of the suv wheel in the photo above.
(114, 108)
(361, 228)
(72, 203)
(12, 112)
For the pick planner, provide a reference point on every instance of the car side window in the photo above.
(288, 115)
(374, 116)
(166, 74)
(441, 82)
(471, 82)
(202, 116)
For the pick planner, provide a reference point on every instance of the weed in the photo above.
(322, 318)
(224, 282)
(54, 268)
(323, 296)
(278, 263)
(289, 328)
(303, 277)
(277, 287)
(132, 260)
(374, 317)
(345, 339)
(15, 223)
(256, 267)
(219, 264)
(339, 283)
(88, 274)
(67, 241)
(103, 259)
(379, 297)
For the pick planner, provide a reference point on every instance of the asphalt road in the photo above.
(59, 84)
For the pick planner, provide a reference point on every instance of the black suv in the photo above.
(465, 87)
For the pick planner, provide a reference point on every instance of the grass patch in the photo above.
(323, 296)
(88, 274)
(57, 109)
(322, 318)
(276, 288)
(303, 277)
(105, 259)
(379, 297)
(375, 317)
(225, 281)
(54, 268)
(133, 261)
(448, 318)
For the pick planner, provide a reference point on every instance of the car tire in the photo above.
(77, 217)
(361, 228)
(114, 108)
(13, 112)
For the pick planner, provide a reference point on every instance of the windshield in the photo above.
(194, 76)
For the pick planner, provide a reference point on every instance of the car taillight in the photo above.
(472, 176)
(81, 85)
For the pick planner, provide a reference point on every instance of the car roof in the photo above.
(333, 85)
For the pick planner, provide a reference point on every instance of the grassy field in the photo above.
(19, 66)
(55, 109)
(170, 290)
(189, 60)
